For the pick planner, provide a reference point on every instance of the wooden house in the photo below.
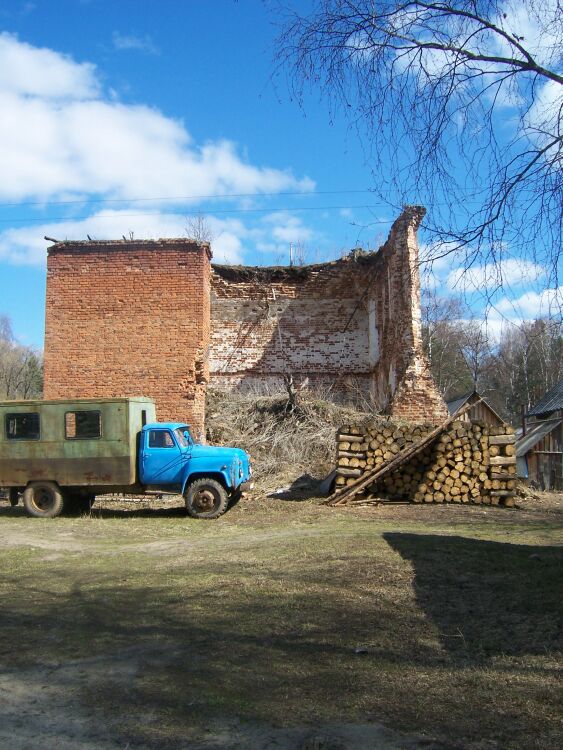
(539, 450)
(481, 412)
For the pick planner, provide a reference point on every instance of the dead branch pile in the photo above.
(284, 441)
(465, 462)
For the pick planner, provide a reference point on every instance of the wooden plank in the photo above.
(502, 460)
(502, 493)
(503, 475)
(352, 454)
(346, 493)
(502, 439)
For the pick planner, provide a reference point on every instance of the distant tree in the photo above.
(512, 372)
(21, 367)
(527, 363)
(460, 103)
(475, 347)
(198, 228)
(443, 336)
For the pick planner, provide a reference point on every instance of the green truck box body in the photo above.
(106, 461)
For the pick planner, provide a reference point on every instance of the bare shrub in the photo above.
(284, 441)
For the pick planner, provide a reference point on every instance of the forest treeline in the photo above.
(512, 368)
(21, 367)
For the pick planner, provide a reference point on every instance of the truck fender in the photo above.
(220, 476)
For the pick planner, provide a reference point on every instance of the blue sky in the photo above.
(124, 117)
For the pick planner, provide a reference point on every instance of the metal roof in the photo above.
(538, 431)
(457, 403)
(552, 401)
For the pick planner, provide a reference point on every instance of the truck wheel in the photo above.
(206, 498)
(42, 500)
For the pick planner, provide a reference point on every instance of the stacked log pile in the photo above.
(467, 462)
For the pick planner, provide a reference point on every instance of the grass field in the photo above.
(283, 624)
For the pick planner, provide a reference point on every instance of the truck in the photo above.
(57, 455)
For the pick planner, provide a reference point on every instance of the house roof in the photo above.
(456, 403)
(534, 435)
(552, 401)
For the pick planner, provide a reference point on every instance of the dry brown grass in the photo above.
(284, 442)
(141, 628)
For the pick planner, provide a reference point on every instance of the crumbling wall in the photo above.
(148, 318)
(130, 318)
(306, 321)
(350, 325)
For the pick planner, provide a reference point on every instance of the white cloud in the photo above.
(126, 42)
(532, 305)
(35, 71)
(510, 272)
(287, 228)
(27, 246)
(543, 120)
(60, 135)
(538, 28)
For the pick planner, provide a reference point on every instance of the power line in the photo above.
(212, 196)
(292, 209)
(164, 199)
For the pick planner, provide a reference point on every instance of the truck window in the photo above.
(22, 426)
(80, 425)
(180, 437)
(160, 439)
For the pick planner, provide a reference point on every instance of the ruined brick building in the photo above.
(156, 318)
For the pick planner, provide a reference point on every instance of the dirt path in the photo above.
(40, 707)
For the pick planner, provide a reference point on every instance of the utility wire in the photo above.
(211, 196)
(163, 199)
(292, 209)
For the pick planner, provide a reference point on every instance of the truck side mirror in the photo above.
(187, 436)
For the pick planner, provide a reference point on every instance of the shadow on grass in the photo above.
(304, 487)
(486, 598)
(160, 651)
(132, 511)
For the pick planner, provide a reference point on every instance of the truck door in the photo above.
(162, 458)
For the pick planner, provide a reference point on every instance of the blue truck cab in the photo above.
(206, 475)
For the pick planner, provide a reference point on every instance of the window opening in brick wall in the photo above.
(83, 425)
(23, 426)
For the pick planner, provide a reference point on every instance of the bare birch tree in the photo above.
(460, 105)
(21, 368)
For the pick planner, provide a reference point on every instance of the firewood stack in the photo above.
(467, 462)
(502, 461)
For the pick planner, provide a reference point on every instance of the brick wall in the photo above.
(350, 325)
(266, 322)
(130, 318)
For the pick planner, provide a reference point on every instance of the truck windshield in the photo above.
(179, 432)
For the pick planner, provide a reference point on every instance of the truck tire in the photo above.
(42, 500)
(206, 498)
